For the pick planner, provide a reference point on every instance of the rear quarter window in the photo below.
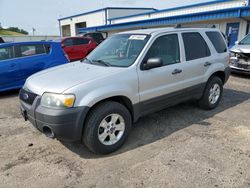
(82, 41)
(217, 41)
(195, 46)
(69, 42)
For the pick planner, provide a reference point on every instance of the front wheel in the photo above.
(212, 94)
(107, 127)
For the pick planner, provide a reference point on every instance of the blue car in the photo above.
(20, 60)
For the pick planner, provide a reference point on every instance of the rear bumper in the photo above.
(66, 124)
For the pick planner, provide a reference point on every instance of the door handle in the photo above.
(207, 64)
(177, 71)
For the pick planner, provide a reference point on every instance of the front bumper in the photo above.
(66, 124)
(240, 70)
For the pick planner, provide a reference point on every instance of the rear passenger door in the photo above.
(197, 59)
(31, 59)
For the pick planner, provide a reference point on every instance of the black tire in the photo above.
(204, 102)
(96, 115)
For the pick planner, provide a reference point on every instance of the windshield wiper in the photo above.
(82, 60)
(102, 62)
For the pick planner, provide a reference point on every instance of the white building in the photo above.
(232, 17)
(69, 25)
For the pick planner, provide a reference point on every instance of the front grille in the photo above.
(27, 97)
(243, 66)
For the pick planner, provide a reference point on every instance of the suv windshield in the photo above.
(245, 41)
(119, 50)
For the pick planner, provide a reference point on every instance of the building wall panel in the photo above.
(185, 11)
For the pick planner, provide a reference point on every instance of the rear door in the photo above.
(197, 60)
(32, 58)
(9, 68)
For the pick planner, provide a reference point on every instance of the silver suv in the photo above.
(129, 75)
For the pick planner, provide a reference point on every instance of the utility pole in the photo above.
(33, 31)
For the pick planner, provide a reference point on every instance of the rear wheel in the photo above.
(212, 93)
(107, 127)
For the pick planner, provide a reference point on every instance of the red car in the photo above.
(77, 47)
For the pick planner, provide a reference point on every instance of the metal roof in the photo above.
(195, 17)
(171, 9)
(107, 8)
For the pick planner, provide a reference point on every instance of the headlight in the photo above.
(58, 100)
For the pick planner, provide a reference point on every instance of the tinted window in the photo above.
(6, 53)
(82, 41)
(47, 48)
(195, 46)
(98, 37)
(217, 41)
(29, 50)
(69, 42)
(166, 48)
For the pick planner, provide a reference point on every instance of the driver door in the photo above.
(158, 86)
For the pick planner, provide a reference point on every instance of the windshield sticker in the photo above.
(137, 37)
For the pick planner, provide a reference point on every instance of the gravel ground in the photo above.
(182, 146)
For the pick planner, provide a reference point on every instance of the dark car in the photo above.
(77, 47)
(98, 37)
(20, 60)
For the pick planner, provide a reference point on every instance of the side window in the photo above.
(68, 42)
(47, 48)
(167, 48)
(82, 41)
(195, 46)
(217, 41)
(29, 50)
(6, 53)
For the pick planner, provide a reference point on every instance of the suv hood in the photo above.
(61, 78)
(241, 49)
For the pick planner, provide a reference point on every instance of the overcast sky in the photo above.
(43, 14)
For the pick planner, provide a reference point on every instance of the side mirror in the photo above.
(236, 42)
(63, 45)
(152, 63)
